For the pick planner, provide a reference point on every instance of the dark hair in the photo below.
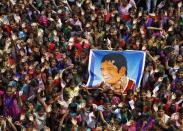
(162, 85)
(160, 107)
(73, 107)
(181, 110)
(172, 109)
(34, 83)
(119, 60)
(180, 69)
(164, 100)
(178, 94)
(129, 92)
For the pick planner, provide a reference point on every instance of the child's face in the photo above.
(180, 74)
(110, 72)
(161, 113)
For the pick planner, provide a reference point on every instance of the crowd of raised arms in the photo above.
(44, 53)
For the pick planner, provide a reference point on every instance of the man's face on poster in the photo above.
(110, 72)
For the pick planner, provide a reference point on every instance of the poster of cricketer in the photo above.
(121, 70)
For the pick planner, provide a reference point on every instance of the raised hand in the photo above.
(9, 119)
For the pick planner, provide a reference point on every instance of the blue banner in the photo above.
(121, 70)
